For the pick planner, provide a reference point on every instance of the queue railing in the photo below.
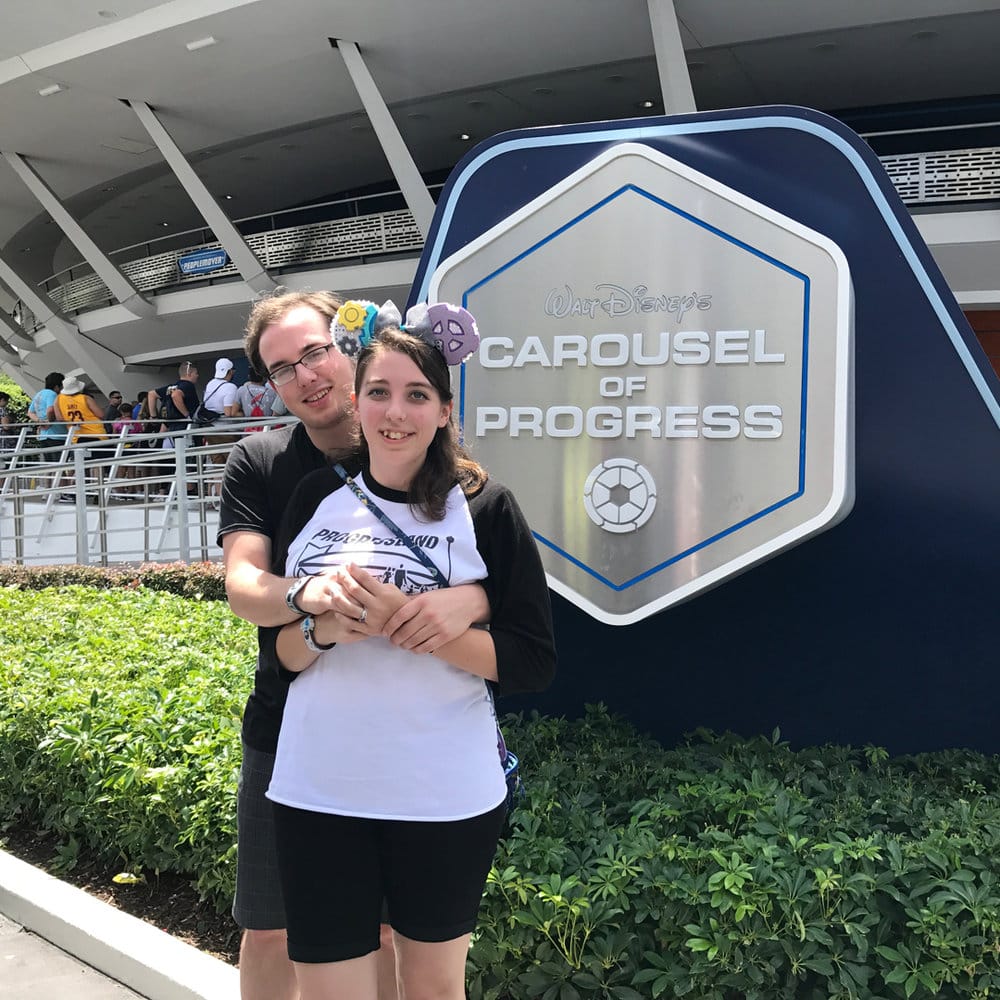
(126, 499)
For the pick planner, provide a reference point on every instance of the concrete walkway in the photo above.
(33, 969)
(59, 943)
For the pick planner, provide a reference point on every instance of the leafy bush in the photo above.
(733, 868)
(120, 713)
(199, 580)
(721, 870)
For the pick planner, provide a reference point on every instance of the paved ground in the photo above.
(33, 969)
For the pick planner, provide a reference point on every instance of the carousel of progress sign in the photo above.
(664, 379)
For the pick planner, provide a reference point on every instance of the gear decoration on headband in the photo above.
(451, 329)
(354, 326)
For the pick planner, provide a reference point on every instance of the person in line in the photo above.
(387, 780)
(255, 398)
(288, 340)
(177, 401)
(220, 393)
(76, 408)
(6, 440)
(220, 399)
(51, 433)
(111, 412)
(125, 422)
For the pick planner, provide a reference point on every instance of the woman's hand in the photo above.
(376, 602)
(337, 589)
(428, 621)
(339, 628)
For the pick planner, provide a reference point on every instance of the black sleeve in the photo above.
(244, 504)
(521, 611)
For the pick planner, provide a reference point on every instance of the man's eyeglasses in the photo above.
(312, 359)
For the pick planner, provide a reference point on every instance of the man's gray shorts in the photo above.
(258, 904)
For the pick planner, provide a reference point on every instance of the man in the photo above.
(51, 434)
(288, 337)
(179, 399)
(111, 413)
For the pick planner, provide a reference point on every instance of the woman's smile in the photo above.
(400, 412)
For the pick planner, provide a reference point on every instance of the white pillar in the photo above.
(253, 271)
(415, 193)
(675, 80)
(119, 285)
(97, 361)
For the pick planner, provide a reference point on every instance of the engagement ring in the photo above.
(363, 617)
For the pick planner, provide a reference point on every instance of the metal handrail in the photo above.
(936, 177)
(245, 220)
(127, 500)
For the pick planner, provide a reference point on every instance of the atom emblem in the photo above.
(619, 495)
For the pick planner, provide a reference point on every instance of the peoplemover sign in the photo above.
(664, 379)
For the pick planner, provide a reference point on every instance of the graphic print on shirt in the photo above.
(385, 557)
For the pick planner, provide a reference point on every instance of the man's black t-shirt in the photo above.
(175, 420)
(261, 475)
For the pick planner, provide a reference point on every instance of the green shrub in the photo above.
(735, 868)
(204, 580)
(120, 713)
(723, 869)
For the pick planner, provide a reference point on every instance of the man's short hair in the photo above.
(274, 307)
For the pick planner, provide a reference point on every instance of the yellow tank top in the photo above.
(78, 412)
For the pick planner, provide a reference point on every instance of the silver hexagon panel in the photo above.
(664, 380)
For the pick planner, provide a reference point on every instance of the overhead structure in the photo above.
(119, 285)
(253, 271)
(415, 193)
(98, 362)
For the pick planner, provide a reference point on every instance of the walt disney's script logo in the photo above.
(617, 300)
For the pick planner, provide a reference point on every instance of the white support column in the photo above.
(11, 332)
(97, 361)
(675, 80)
(253, 271)
(119, 286)
(415, 193)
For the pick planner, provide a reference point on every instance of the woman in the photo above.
(255, 398)
(387, 781)
(75, 407)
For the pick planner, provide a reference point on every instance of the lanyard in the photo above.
(368, 502)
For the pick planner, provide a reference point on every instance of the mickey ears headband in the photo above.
(451, 329)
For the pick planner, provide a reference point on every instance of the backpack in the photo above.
(256, 410)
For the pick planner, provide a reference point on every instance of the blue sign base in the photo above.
(881, 629)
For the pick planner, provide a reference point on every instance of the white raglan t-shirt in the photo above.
(373, 730)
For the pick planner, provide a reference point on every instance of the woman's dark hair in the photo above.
(53, 380)
(447, 462)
